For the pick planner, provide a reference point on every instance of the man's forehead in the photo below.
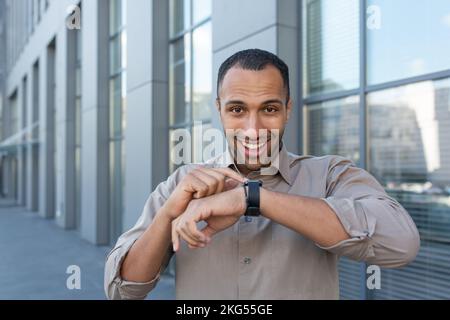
(242, 82)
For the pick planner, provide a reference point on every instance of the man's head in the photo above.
(253, 97)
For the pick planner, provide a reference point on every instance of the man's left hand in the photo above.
(220, 211)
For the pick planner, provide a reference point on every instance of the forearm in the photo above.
(144, 260)
(311, 217)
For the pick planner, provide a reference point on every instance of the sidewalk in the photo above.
(35, 254)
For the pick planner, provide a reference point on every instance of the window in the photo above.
(333, 128)
(190, 69)
(117, 110)
(410, 156)
(330, 58)
(14, 115)
(386, 106)
(412, 39)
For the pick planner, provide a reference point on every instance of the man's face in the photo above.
(252, 105)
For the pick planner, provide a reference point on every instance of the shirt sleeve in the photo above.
(115, 286)
(381, 230)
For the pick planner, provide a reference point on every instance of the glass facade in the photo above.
(377, 90)
(409, 155)
(410, 38)
(333, 127)
(331, 50)
(190, 70)
(117, 111)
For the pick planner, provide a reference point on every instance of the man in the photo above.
(309, 210)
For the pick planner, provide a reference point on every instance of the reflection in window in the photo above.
(333, 128)
(180, 14)
(190, 69)
(331, 50)
(117, 110)
(412, 39)
(201, 10)
(409, 132)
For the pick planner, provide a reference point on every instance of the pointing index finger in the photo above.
(230, 174)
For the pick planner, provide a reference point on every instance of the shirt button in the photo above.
(247, 260)
(248, 219)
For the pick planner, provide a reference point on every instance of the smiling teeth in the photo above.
(253, 145)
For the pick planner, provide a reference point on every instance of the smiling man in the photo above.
(259, 222)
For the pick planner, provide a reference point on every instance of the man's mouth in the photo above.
(254, 145)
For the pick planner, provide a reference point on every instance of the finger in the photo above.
(209, 180)
(195, 247)
(175, 237)
(230, 174)
(198, 187)
(194, 232)
(218, 176)
(230, 184)
(187, 237)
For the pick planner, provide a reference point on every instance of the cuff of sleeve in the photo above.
(129, 289)
(355, 224)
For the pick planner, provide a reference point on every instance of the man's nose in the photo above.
(252, 127)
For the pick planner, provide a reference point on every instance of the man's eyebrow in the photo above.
(278, 101)
(235, 102)
(273, 101)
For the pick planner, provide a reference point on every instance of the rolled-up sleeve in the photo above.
(381, 230)
(116, 287)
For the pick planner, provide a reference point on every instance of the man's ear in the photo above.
(218, 104)
(288, 109)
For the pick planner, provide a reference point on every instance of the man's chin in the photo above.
(252, 167)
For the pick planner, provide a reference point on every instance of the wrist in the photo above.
(167, 213)
(240, 200)
(264, 195)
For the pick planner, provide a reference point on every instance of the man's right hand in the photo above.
(199, 183)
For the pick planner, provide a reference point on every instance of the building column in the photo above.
(21, 152)
(32, 147)
(147, 135)
(65, 182)
(95, 153)
(46, 135)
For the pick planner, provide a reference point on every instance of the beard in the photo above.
(256, 152)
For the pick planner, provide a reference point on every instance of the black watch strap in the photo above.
(252, 188)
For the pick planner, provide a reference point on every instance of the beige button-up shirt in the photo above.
(259, 259)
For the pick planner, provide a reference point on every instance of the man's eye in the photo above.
(236, 109)
(270, 109)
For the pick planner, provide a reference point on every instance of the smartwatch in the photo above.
(251, 188)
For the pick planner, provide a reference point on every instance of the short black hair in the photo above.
(254, 59)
